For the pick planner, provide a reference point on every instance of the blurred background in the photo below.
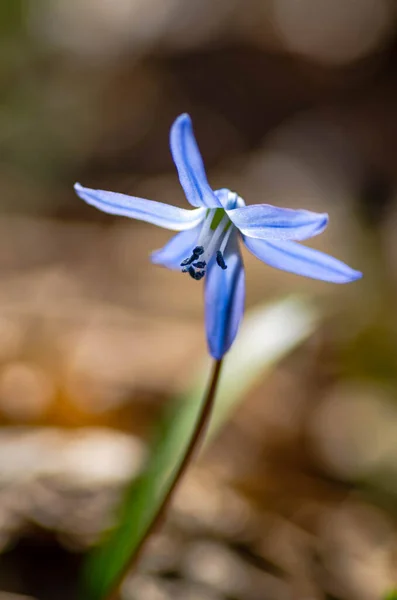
(294, 103)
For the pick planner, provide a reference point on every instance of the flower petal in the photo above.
(293, 257)
(189, 164)
(178, 248)
(224, 301)
(163, 215)
(229, 199)
(267, 222)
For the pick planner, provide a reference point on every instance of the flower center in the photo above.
(212, 241)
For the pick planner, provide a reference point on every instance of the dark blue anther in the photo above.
(188, 261)
(220, 260)
(201, 264)
(197, 251)
(197, 275)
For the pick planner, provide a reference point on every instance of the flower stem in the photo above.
(191, 449)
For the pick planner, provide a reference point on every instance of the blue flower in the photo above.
(207, 245)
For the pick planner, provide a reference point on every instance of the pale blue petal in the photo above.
(163, 215)
(293, 257)
(189, 164)
(229, 199)
(267, 222)
(224, 302)
(178, 248)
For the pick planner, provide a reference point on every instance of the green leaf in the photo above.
(267, 334)
(391, 595)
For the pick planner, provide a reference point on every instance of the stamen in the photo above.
(197, 275)
(197, 251)
(214, 235)
(225, 240)
(212, 243)
(187, 261)
(220, 260)
(192, 272)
